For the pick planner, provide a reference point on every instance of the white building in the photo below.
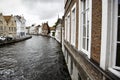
(52, 32)
(40, 30)
(58, 33)
(32, 29)
(20, 21)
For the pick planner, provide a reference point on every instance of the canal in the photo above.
(39, 58)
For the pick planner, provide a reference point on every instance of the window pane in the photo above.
(118, 7)
(71, 66)
(87, 3)
(87, 43)
(84, 40)
(84, 5)
(87, 24)
(87, 30)
(118, 55)
(84, 31)
(84, 19)
(118, 35)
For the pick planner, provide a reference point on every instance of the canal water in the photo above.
(39, 58)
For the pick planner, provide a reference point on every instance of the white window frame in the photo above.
(109, 36)
(65, 28)
(115, 37)
(80, 41)
(68, 27)
(73, 26)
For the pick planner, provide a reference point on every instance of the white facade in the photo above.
(85, 25)
(65, 28)
(58, 32)
(40, 30)
(52, 32)
(110, 36)
(73, 25)
(32, 29)
(20, 21)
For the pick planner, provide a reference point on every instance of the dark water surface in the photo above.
(39, 58)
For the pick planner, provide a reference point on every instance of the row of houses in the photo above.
(91, 39)
(45, 30)
(12, 26)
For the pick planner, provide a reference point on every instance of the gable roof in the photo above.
(45, 26)
(7, 18)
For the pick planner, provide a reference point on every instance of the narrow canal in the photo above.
(39, 58)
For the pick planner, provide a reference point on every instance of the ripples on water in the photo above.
(39, 58)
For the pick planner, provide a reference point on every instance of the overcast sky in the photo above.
(34, 11)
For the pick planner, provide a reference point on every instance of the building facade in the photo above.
(20, 21)
(45, 29)
(3, 26)
(52, 32)
(91, 42)
(27, 30)
(7, 26)
(58, 30)
(11, 25)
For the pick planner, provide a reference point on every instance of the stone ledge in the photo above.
(15, 41)
(81, 61)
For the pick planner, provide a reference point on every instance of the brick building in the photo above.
(45, 29)
(92, 39)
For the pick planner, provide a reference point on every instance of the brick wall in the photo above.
(96, 30)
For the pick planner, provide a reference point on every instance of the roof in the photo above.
(52, 28)
(18, 17)
(59, 21)
(45, 26)
(7, 18)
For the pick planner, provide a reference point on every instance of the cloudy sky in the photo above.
(34, 11)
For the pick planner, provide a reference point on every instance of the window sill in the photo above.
(117, 73)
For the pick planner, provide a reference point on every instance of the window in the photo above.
(1, 22)
(9, 28)
(110, 43)
(1, 28)
(73, 25)
(15, 29)
(85, 25)
(117, 42)
(71, 72)
(67, 56)
(65, 28)
(68, 27)
(5, 28)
